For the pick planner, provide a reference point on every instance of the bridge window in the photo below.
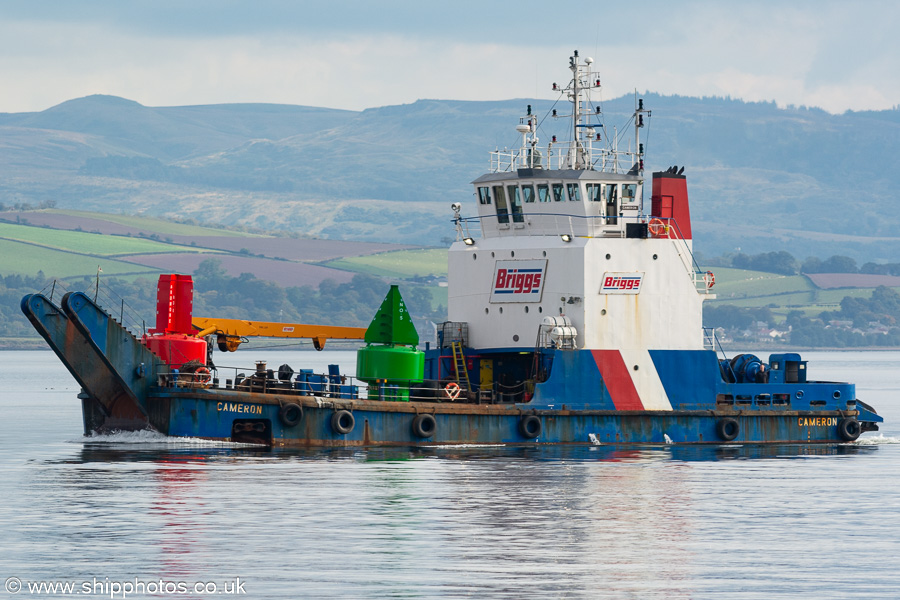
(629, 190)
(574, 192)
(502, 210)
(515, 202)
(528, 193)
(558, 194)
(484, 195)
(594, 192)
(543, 192)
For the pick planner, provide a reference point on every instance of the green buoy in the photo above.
(390, 362)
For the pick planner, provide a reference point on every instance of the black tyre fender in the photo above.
(728, 428)
(530, 426)
(424, 426)
(290, 414)
(343, 422)
(849, 429)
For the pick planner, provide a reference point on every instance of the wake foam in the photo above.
(150, 438)
(878, 440)
(465, 446)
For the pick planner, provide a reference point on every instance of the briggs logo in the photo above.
(622, 283)
(518, 281)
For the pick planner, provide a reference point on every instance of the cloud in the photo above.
(359, 55)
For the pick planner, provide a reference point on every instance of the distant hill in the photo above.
(760, 177)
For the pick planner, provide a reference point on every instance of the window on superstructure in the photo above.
(559, 193)
(543, 192)
(484, 195)
(528, 193)
(515, 202)
(594, 192)
(629, 191)
(574, 192)
(500, 199)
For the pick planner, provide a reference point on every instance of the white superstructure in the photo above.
(563, 233)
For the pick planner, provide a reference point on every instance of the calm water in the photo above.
(598, 522)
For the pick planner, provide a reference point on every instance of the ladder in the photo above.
(459, 362)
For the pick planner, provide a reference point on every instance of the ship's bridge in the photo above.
(582, 203)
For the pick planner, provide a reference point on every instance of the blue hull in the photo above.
(212, 414)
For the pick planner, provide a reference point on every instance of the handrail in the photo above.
(478, 218)
(559, 156)
(106, 298)
(711, 341)
(592, 223)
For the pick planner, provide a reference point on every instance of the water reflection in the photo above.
(175, 513)
(170, 452)
(515, 521)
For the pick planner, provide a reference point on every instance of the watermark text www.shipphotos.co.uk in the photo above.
(124, 588)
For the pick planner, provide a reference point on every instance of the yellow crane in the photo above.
(230, 332)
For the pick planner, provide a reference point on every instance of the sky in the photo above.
(835, 55)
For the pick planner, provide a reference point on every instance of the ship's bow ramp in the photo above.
(112, 366)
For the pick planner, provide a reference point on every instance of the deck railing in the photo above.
(105, 297)
(563, 155)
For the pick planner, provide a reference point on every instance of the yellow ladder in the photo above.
(459, 361)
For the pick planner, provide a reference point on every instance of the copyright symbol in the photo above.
(13, 585)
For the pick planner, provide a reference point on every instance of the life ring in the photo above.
(728, 428)
(658, 227)
(290, 414)
(202, 377)
(452, 390)
(849, 429)
(530, 427)
(424, 426)
(710, 279)
(342, 422)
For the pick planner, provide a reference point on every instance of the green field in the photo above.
(17, 258)
(159, 226)
(783, 293)
(87, 243)
(25, 250)
(399, 264)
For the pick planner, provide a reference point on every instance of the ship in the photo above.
(574, 317)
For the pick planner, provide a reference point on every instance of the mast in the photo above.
(576, 104)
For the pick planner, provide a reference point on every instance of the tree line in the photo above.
(859, 322)
(784, 263)
(218, 294)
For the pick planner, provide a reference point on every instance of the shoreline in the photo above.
(19, 344)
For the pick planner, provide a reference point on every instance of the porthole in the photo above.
(540, 309)
(516, 338)
(608, 256)
(655, 257)
(526, 309)
(492, 255)
(603, 311)
(487, 311)
(501, 310)
(474, 256)
(545, 253)
(512, 253)
(635, 367)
